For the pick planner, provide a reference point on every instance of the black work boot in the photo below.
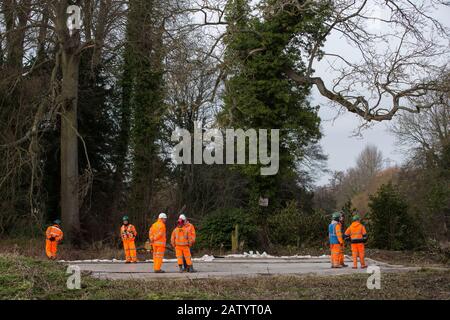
(181, 268)
(191, 269)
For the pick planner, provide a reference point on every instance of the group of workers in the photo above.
(357, 235)
(183, 238)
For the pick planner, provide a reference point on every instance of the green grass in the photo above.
(30, 278)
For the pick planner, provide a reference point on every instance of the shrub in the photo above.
(291, 227)
(215, 230)
(391, 226)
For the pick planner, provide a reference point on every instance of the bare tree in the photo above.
(424, 179)
(370, 161)
(401, 49)
(426, 134)
(355, 180)
(192, 81)
(400, 61)
(39, 29)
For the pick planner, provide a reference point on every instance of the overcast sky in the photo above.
(339, 141)
(342, 147)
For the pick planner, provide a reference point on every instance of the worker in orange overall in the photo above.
(128, 234)
(342, 254)
(157, 236)
(181, 240)
(336, 240)
(190, 227)
(54, 236)
(191, 231)
(358, 236)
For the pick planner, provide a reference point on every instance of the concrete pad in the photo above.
(229, 267)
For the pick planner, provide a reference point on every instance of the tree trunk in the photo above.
(16, 18)
(69, 53)
(69, 146)
(42, 35)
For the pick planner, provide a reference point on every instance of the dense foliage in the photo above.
(391, 227)
(86, 119)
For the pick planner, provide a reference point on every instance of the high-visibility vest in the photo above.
(157, 233)
(191, 231)
(356, 231)
(335, 233)
(128, 232)
(180, 237)
(54, 232)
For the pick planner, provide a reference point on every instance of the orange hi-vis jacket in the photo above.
(128, 232)
(157, 234)
(181, 237)
(53, 236)
(357, 232)
(54, 232)
(191, 231)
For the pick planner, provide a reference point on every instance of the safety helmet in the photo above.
(57, 221)
(356, 217)
(125, 218)
(182, 217)
(336, 215)
(162, 216)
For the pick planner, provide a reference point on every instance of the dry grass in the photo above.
(29, 278)
(412, 285)
(411, 258)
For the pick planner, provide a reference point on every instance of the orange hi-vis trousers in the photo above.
(336, 250)
(158, 256)
(358, 251)
(51, 248)
(181, 251)
(130, 250)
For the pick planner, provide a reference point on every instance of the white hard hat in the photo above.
(182, 217)
(162, 216)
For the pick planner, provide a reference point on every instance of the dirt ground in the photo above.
(30, 278)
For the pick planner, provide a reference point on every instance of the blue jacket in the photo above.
(332, 233)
